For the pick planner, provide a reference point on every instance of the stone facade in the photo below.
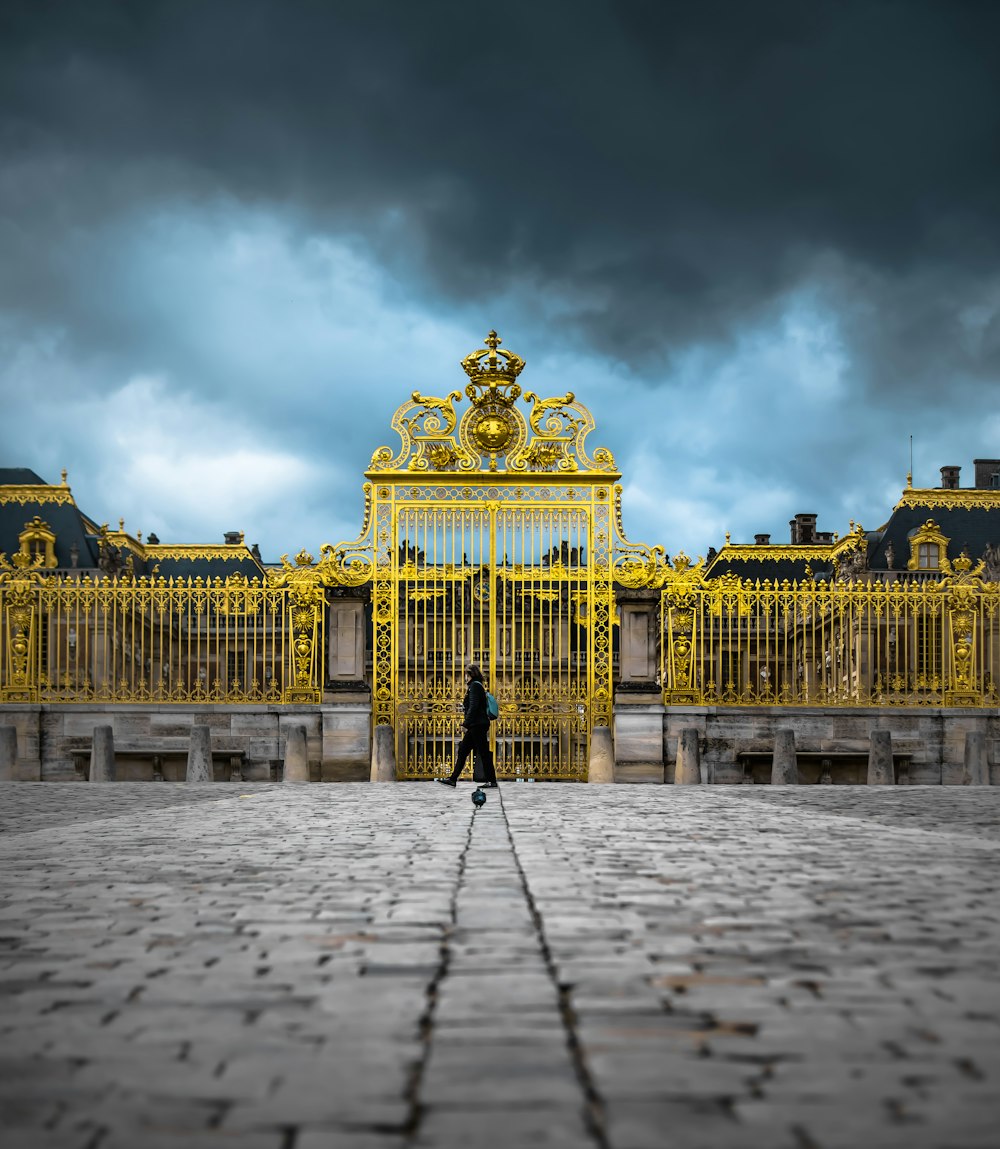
(736, 744)
(248, 742)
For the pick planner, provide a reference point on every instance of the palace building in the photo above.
(493, 533)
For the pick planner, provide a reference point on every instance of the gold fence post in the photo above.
(20, 582)
(684, 603)
(305, 586)
(963, 591)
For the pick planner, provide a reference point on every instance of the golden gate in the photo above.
(491, 539)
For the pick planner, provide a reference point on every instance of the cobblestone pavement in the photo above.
(366, 967)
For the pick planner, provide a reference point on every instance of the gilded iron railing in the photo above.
(74, 639)
(908, 642)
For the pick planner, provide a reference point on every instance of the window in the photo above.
(928, 557)
(235, 667)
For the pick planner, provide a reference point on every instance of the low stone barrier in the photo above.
(199, 760)
(880, 771)
(102, 754)
(688, 769)
(296, 763)
(784, 766)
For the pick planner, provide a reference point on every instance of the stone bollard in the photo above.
(296, 766)
(383, 755)
(784, 767)
(199, 762)
(601, 768)
(8, 753)
(977, 768)
(687, 772)
(880, 772)
(102, 754)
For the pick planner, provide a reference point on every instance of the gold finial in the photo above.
(121, 524)
(64, 472)
(909, 480)
(727, 538)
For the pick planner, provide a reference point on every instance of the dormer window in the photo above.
(38, 541)
(928, 549)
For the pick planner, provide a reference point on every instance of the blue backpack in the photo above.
(492, 707)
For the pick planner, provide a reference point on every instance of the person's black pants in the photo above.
(476, 740)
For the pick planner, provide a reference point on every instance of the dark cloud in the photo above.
(664, 168)
(772, 226)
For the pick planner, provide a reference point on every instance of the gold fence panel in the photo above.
(155, 640)
(913, 641)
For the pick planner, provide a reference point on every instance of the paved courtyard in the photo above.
(379, 967)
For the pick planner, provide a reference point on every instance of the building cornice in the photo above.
(236, 552)
(773, 552)
(35, 493)
(961, 499)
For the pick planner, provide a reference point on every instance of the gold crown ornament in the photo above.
(493, 391)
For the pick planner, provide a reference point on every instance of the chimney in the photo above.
(949, 478)
(233, 538)
(803, 529)
(825, 537)
(987, 473)
(762, 540)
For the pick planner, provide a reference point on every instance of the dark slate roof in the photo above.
(968, 529)
(18, 477)
(211, 566)
(55, 506)
(768, 562)
(64, 518)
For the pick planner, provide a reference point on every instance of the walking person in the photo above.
(476, 724)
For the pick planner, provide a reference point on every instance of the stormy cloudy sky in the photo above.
(761, 241)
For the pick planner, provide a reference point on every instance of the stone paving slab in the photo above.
(378, 967)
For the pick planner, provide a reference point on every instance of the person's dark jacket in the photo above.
(474, 706)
